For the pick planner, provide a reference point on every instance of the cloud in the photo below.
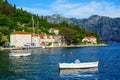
(63, 6)
(82, 10)
(37, 11)
(77, 10)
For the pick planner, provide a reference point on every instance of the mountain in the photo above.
(108, 29)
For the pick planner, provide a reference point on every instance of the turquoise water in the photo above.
(43, 64)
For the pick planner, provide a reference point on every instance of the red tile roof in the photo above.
(55, 28)
(42, 35)
(34, 34)
(20, 32)
(89, 37)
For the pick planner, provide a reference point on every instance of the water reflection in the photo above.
(38, 65)
(19, 65)
(42, 64)
(79, 73)
(4, 65)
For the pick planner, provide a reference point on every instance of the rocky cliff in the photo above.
(107, 28)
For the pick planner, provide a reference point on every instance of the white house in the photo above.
(35, 39)
(46, 39)
(19, 38)
(90, 40)
(54, 30)
(55, 40)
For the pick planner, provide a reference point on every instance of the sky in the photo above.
(70, 8)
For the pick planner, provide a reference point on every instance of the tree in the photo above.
(6, 1)
(6, 21)
(1, 6)
(4, 30)
(69, 36)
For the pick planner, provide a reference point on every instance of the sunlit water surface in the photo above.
(42, 64)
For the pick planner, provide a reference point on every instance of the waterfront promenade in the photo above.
(82, 45)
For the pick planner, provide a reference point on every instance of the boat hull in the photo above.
(19, 54)
(78, 65)
(32, 47)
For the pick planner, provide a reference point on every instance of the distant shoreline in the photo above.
(82, 45)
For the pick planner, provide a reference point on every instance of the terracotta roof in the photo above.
(42, 35)
(34, 34)
(20, 32)
(89, 37)
(55, 28)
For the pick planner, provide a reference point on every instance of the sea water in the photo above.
(42, 64)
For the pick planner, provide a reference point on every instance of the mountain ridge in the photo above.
(108, 29)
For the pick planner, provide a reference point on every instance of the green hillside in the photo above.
(12, 18)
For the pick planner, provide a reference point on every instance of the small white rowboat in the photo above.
(78, 65)
(19, 54)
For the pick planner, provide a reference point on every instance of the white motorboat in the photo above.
(31, 46)
(78, 65)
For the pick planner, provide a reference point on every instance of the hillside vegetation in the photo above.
(12, 18)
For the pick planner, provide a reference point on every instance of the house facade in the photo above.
(89, 40)
(54, 30)
(35, 39)
(19, 38)
(55, 40)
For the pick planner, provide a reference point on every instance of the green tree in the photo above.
(68, 35)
